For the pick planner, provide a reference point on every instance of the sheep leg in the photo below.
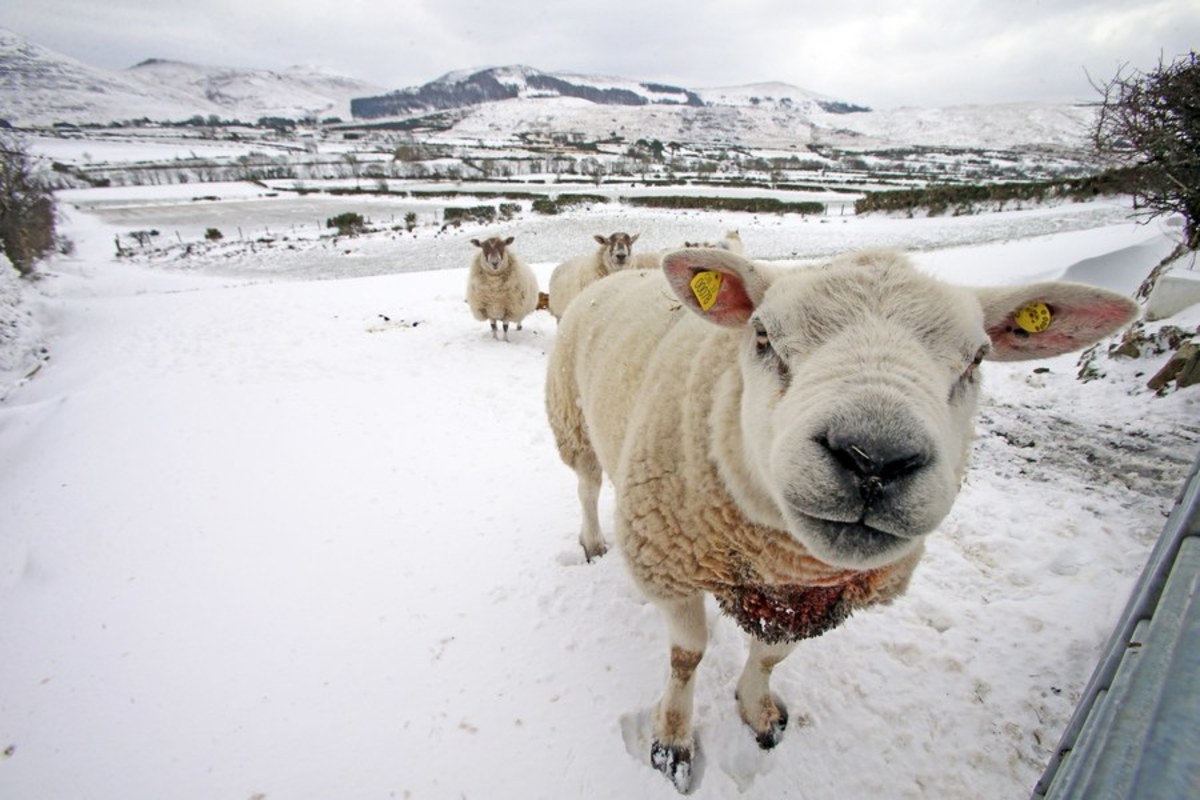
(506, 331)
(575, 449)
(674, 745)
(494, 335)
(587, 468)
(764, 713)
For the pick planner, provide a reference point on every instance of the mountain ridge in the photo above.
(464, 88)
(39, 87)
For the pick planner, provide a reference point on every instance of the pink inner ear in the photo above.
(1008, 345)
(1072, 328)
(1107, 316)
(733, 306)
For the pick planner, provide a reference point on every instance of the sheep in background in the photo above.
(649, 260)
(786, 443)
(732, 241)
(572, 276)
(500, 287)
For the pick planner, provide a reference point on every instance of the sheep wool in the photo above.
(782, 439)
(574, 275)
(731, 241)
(501, 288)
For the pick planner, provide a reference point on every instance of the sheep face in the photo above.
(858, 384)
(616, 250)
(493, 252)
(858, 388)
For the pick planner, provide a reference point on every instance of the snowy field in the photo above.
(273, 233)
(273, 535)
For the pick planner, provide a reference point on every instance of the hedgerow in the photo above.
(967, 199)
(757, 205)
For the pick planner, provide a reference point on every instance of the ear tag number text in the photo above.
(706, 286)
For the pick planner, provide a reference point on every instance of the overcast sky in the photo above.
(881, 54)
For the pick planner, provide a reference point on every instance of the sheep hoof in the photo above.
(593, 553)
(675, 763)
(774, 732)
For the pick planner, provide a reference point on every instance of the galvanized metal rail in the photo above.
(1135, 734)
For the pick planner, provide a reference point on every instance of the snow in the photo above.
(268, 533)
(124, 150)
(42, 87)
(1010, 125)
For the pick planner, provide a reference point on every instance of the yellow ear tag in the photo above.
(706, 286)
(1033, 318)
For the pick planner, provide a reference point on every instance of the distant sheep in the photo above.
(571, 277)
(732, 241)
(500, 287)
(786, 443)
(648, 260)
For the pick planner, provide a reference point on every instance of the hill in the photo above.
(39, 87)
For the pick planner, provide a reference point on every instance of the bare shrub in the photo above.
(26, 208)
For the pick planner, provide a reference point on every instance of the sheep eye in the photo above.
(766, 351)
(980, 354)
(968, 376)
(762, 342)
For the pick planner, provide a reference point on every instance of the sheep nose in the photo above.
(876, 466)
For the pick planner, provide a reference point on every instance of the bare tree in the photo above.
(1150, 123)
(26, 208)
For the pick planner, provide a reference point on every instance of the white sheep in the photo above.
(731, 241)
(651, 259)
(500, 286)
(786, 443)
(572, 276)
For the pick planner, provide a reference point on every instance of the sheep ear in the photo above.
(508, 241)
(601, 239)
(720, 286)
(476, 243)
(1047, 319)
(634, 238)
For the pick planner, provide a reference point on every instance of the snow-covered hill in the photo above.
(297, 92)
(517, 100)
(466, 88)
(39, 87)
(776, 96)
(773, 124)
(1003, 126)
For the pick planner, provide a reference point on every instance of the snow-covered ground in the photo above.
(271, 535)
(126, 149)
(277, 233)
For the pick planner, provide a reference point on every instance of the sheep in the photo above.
(570, 277)
(500, 287)
(648, 260)
(782, 439)
(732, 241)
